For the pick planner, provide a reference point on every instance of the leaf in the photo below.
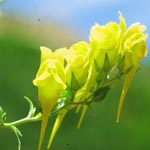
(32, 109)
(100, 93)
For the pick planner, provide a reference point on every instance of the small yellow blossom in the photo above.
(133, 49)
(77, 64)
(104, 41)
(50, 80)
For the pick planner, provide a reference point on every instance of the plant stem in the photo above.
(24, 120)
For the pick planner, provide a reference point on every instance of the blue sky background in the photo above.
(79, 15)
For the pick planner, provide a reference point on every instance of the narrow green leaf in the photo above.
(100, 93)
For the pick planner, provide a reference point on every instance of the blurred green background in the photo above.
(19, 61)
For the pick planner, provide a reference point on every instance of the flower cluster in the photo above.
(84, 73)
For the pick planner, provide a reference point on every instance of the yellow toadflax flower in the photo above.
(76, 70)
(104, 49)
(133, 49)
(50, 80)
(104, 41)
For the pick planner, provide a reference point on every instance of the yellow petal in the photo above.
(46, 53)
(122, 23)
(134, 29)
(77, 58)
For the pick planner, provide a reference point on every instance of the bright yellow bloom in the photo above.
(76, 71)
(50, 80)
(133, 46)
(77, 64)
(133, 49)
(105, 41)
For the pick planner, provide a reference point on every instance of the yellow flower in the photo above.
(77, 64)
(133, 49)
(50, 80)
(76, 71)
(133, 46)
(104, 41)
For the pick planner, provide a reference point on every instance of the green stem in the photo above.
(24, 120)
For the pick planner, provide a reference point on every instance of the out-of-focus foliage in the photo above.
(19, 59)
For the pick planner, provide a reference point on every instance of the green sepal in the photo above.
(101, 74)
(97, 68)
(100, 93)
(62, 102)
(67, 93)
(120, 63)
(74, 83)
(65, 98)
(107, 65)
